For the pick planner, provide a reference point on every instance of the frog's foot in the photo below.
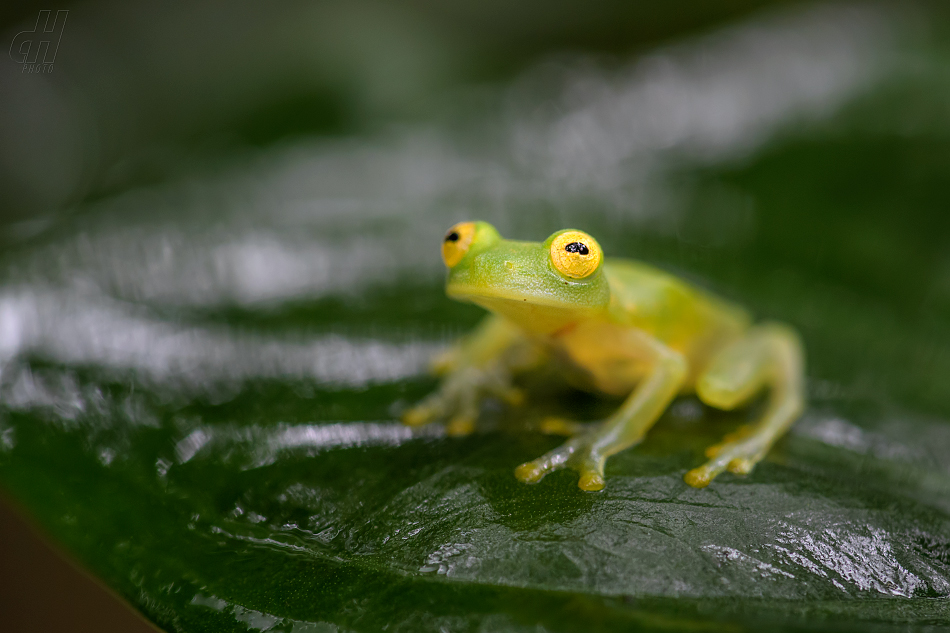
(738, 456)
(459, 396)
(577, 454)
(460, 407)
(429, 410)
(462, 424)
(419, 415)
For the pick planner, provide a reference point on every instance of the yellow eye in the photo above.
(456, 242)
(575, 254)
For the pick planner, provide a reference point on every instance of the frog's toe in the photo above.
(432, 408)
(530, 472)
(576, 454)
(533, 471)
(699, 477)
(591, 481)
(462, 424)
(738, 456)
(417, 416)
(740, 466)
(591, 470)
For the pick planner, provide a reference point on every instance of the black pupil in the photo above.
(452, 237)
(577, 247)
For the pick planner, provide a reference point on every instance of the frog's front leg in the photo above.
(587, 453)
(481, 365)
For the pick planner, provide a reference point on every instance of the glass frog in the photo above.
(614, 326)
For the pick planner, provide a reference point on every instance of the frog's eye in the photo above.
(575, 254)
(456, 242)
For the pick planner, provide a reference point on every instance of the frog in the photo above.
(615, 326)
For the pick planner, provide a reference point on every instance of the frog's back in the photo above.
(668, 307)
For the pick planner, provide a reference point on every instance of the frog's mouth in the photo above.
(538, 314)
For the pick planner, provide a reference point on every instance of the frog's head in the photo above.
(542, 287)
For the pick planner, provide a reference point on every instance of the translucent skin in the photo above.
(626, 329)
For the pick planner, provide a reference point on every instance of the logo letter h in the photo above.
(45, 51)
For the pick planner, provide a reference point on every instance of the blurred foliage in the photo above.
(130, 105)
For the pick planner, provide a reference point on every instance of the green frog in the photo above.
(613, 326)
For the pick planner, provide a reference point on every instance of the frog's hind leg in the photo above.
(768, 356)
